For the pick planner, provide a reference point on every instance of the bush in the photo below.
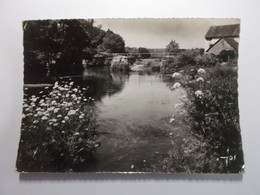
(207, 60)
(214, 115)
(58, 130)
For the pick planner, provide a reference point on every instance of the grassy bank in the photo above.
(210, 112)
(58, 130)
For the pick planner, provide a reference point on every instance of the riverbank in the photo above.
(210, 110)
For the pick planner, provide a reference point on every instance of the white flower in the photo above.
(75, 90)
(77, 133)
(36, 121)
(53, 102)
(67, 95)
(72, 112)
(56, 124)
(84, 89)
(71, 83)
(176, 75)
(199, 93)
(54, 120)
(74, 96)
(200, 79)
(44, 118)
(56, 110)
(176, 85)
(66, 118)
(41, 101)
(38, 109)
(81, 116)
(34, 99)
(201, 71)
(63, 121)
(59, 116)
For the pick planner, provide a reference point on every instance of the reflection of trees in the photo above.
(102, 82)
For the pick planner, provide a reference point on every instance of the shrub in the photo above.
(58, 130)
(214, 116)
(207, 60)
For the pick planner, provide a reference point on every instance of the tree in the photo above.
(112, 43)
(144, 53)
(173, 46)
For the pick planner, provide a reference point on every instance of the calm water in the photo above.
(134, 112)
(133, 119)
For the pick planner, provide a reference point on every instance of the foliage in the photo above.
(213, 113)
(112, 43)
(225, 55)
(173, 46)
(206, 60)
(58, 130)
(143, 52)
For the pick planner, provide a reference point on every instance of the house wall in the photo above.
(221, 45)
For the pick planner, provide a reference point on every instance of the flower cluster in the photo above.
(58, 126)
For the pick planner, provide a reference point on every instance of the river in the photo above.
(134, 112)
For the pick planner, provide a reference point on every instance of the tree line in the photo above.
(59, 46)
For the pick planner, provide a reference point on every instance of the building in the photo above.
(225, 37)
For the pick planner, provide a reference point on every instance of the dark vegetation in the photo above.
(55, 47)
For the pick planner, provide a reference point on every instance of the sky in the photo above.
(157, 33)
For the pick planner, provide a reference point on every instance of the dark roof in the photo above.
(223, 31)
(230, 41)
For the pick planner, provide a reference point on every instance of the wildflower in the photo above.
(199, 93)
(46, 87)
(132, 166)
(44, 118)
(55, 124)
(66, 118)
(53, 102)
(63, 132)
(201, 71)
(200, 79)
(85, 100)
(84, 89)
(63, 121)
(36, 121)
(81, 116)
(34, 99)
(77, 133)
(71, 83)
(74, 96)
(72, 112)
(23, 115)
(54, 120)
(56, 110)
(67, 95)
(176, 75)
(176, 85)
(38, 109)
(27, 109)
(59, 116)
(75, 90)
(42, 101)
(40, 92)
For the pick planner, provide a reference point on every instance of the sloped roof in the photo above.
(223, 31)
(230, 41)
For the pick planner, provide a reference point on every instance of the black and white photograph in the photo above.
(131, 96)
